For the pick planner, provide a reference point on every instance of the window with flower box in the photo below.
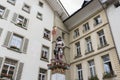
(11, 69)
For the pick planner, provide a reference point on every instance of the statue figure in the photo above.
(58, 51)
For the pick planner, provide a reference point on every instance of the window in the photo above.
(26, 8)
(86, 27)
(88, 45)
(9, 68)
(76, 33)
(12, 2)
(102, 39)
(39, 16)
(4, 12)
(97, 20)
(77, 47)
(16, 42)
(45, 53)
(20, 20)
(42, 74)
(79, 70)
(117, 3)
(107, 64)
(92, 68)
(47, 34)
(40, 4)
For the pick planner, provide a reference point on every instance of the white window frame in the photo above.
(78, 49)
(48, 33)
(26, 8)
(86, 27)
(11, 2)
(92, 67)
(88, 44)
(102, 39)
(104, 62)
(97, 20)
(39, 16)
(80, 76)
(45, 49)
(8, 69)
(42, 74)
(76, 33)
(13, 34)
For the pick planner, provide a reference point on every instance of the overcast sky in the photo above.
(72, 5)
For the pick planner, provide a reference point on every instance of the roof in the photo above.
(57, 6)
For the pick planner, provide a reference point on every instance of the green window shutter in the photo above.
(1, 60)
(15, 15)
(20, 69)
(5, 15)
(25, 45)
(7, 39)
(1, 31)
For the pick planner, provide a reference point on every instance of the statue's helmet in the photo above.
(59, 38)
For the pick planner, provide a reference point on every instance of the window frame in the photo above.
(40, 4)
(76, 33)
(92, 67)
(11, 2)
(97, 20)
(89, 47)
(48, 33)
(78, 49)
(44, 47)
(39, 16)
(26, 6)
(86, 27)
(43, 74)
(108, 61)
(102, 39)
(16, 63)
(80, 70)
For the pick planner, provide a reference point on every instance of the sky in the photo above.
(72, 5)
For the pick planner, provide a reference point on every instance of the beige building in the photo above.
(90, 48)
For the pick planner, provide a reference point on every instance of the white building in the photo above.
(25, 38)
(113, 13)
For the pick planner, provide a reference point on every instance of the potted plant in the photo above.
(93, 78)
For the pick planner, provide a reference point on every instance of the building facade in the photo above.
(25, 39)
(93, 53)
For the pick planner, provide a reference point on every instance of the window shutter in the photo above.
(1, 60)
(14, 18)
(5, 15)
(25, 45)
(1, 31)
(25, 24)
(20, 69)
(6, 42)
